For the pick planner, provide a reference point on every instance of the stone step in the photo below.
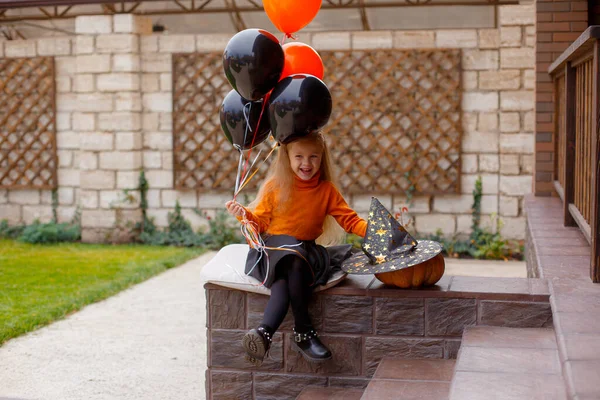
(415, 370)
(329, 393)
(508, 364)
(410, 379)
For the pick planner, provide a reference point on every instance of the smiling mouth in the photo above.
(305, 171)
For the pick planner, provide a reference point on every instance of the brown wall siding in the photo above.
(559, 23)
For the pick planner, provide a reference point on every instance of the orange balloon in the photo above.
(290, 16)
(300, 58)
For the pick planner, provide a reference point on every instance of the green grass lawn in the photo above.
(43, 283)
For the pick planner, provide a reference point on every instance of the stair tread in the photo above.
(383, 389)
(419, 369)
(489, 336)
(511, 363)
(329, 393)
(479, 386)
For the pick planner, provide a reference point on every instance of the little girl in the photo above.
(290, 212)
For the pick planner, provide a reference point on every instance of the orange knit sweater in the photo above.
(311, 202)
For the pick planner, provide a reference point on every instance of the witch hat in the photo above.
(388, 246)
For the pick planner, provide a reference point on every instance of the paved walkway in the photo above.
(148, 342)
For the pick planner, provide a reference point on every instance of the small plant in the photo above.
(10, 232)
(482, 243)
(51, 232)
(222, 230)
(179, 232)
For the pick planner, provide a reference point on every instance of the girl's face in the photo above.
(305, 158)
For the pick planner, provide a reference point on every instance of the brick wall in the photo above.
(558, 25)
(116, 120)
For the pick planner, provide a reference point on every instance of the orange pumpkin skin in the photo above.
(425, 274)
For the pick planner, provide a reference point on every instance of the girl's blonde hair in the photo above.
(281, 178)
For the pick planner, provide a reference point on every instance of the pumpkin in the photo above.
(424, 274)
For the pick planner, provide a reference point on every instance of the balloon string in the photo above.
(248, 179)
(287, 36)
(265, 100)
(250, 231)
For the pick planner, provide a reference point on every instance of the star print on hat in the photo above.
(388, 246)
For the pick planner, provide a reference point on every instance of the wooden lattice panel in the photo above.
(396, 121)
(203, 158)
(27, 123)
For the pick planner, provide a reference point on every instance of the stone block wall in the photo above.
(361, 321)
(120, 121)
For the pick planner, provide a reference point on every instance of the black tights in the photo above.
(292, 284)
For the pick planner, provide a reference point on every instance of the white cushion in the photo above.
(227, 269)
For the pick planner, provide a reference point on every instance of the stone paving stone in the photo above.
(570, 250)
(231, 385)
(376, 348)
(580, 346)
(515, 315)
(578, 322)
(330, 393)
(226, 309)
(392, 389)
(583, 378)
(448, 317)
(484, 336)
(346, 360)
(509, 360)
(348, 314)
(501, 386)
(226, 351)
(400, 316)
(283, 387)
(349, 382)
(518, 288)
(575, 303)
(451, 348)
(422, 370)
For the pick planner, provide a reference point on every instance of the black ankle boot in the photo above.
(309, 345)
(257, 343)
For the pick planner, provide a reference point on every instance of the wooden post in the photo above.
(595, 189)
(569, 151)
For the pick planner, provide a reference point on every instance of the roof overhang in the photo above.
(19, 10)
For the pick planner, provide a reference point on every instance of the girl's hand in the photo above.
(234, 208)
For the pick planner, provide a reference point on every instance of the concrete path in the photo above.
(148, 342)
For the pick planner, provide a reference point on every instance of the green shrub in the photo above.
(10, 232)
(50, 233)
(179, 232)
(41, 233)
(482, 242)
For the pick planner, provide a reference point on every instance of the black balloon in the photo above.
(298, 105)
(235, 126)
(253, 61)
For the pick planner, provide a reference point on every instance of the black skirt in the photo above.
(323, 261)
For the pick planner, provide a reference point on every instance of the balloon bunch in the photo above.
(277, 87)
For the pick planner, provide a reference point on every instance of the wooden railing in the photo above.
(577, 138)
